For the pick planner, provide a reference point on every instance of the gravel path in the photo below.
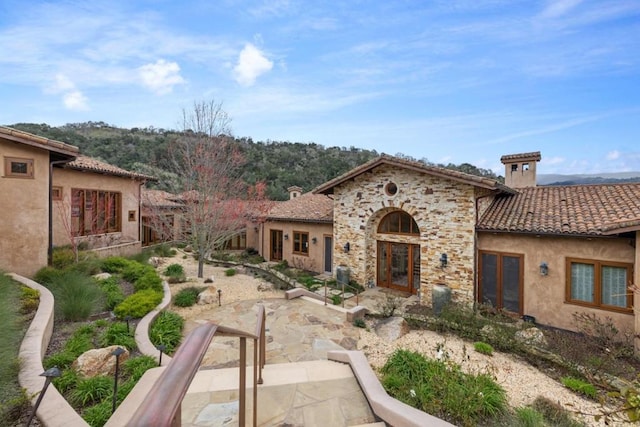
(522, 382)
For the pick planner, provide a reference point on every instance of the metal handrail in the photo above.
(353, 288)
(162, 405)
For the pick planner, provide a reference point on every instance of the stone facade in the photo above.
(443, 209)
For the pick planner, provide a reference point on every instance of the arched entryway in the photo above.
(398, 260)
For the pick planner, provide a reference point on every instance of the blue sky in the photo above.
(446, 80)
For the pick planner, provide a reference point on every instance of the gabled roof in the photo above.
(38, 141)
(159, 199)
(532, 157)
(585, 210)
(477, 181)
(84, 163)
(308, 207)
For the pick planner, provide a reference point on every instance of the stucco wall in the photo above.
(443, 209)
(24, 215)
(315, 260)
(129, 189)
(544, 296)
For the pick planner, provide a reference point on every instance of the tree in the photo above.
(216, 203)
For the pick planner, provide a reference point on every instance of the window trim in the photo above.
(387, 218)
(83, 206)
(7, 168)
(299, 236)
(597, 285)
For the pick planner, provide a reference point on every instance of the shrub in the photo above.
(135, 270)
(66, 381)
(167, 330)
(359, 323)
(336, 299)
(554, 414)
(230, 272)
(174, 270)
(389, 306)
(117, 334)
(135, 367)
(187, 297)
(88, 264)
(579, 386)
(47, 275)
(138, 304)
(29, 300)
(112, 290)
(91, 390)
(483, 347)
(164, 250)
(529, 417)
(62, 258)
(98, 415)
(149, 280)
(442, 389)
(115, 264)
(142, 257)
(77, 296)
(61, 359)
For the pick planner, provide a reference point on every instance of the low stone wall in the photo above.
(123, 249)
(54, 411)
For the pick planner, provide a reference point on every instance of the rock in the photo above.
(102, 276)
(265, 286)
(392, 328)
(98, 361)
(532, 336)
(209, 279)
(155, 261)
(208, 296)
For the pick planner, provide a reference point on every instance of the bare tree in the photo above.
(215, 200)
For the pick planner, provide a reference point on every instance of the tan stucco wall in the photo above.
(443, 209)
(544, 296)
(129, 188)
(636, 297)
(315, 260)
(24, 228)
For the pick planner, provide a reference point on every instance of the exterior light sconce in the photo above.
(347, 247)
(444, 260)
(314, 240)
(48, 375)
(286, 237)
(544, 268)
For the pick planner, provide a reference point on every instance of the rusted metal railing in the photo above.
(162, 405)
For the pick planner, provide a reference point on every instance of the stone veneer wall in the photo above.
(443, 209)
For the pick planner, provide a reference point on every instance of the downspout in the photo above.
(50, 244)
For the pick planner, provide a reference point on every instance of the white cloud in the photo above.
(557, 8)
(553, 160)
(75, 100)
(613, 155)
(251, 64)
(161, 76)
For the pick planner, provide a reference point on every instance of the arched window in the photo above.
(398, 222)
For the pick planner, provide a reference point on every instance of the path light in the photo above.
(48, 375)
(117, 352)
(162, 348)
(126, 319)
(219, 297)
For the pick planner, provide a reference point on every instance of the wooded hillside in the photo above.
(279, 164)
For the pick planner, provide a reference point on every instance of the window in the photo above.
(95, 212)
(599, 284)
(391, 189)
(18, 168)
(398, 222)
(300, 243)
(56, 193)
(239, 241)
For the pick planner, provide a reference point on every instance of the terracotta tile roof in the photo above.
(85, 163)
(570, 210)
(38, 141)
(159, 198)
(533, 156)
(308, 207)
(478, 181)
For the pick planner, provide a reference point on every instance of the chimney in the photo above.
(294, 191)
(520, 169)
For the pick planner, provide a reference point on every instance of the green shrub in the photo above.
(554, 414)
(167, 330)
(115, 264)
(61, 359)
(336, 299)
(187, 297)
(149, 280)
(230, 272)
(174, 270)
(62, 257)
(138, 304)
(117, 334)
(142, 257)
(442, 389)
(579, 386)
(66, 381)
(98, 415)
(88, 264)
(46, 275)
(164, 250)
(359, 323)
(135, 367)
(483, 347)
(91, 390)
(135, 270)
(112, 290)
(77, 296)
(29, 299)
(529, 417)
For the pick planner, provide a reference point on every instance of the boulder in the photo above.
(264, 286)
(98, 361)
(155, 261)
(209, 279)
(102, 276)
(208, 296)
(392, 328)
(532, 336)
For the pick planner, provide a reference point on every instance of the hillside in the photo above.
(280, 164)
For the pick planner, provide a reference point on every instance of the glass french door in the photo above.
(276, 245)
(500, 281)
(399, 266)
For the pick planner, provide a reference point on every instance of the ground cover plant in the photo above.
(175, 273)
(166, 330)
(187, 297)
